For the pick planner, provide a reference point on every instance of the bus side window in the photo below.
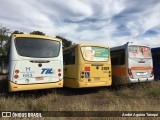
(122, 57)
(72, 57)
(69, 57)
(118, 57)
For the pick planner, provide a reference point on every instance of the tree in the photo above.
(17, 32)
(37, 33)
(4, 31)
(4, 37)
(66, 43)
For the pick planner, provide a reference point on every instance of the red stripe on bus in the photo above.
(141, 68)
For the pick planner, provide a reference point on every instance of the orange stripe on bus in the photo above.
(119, 71)
(141, 68)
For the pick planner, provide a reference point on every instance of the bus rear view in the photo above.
(131, 63)
(35, 62)
(140, 65)
(87, 65)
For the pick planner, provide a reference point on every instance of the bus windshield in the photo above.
(95, 53)
(37, 47)
(139, 51)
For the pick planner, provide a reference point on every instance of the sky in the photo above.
(107, 22)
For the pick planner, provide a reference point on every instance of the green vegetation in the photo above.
(17, 32)
(4, 32)
(66, 43)
(37, 33)
(135, 97)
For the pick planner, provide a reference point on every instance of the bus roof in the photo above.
(36, 36)
(125, 46)
(155, 49)
(84, 44)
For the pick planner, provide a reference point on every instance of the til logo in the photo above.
(47, 71)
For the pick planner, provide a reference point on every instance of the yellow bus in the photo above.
(87, 65)
(34, 62)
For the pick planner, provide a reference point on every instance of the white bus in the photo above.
(131, 63)
(35, 62)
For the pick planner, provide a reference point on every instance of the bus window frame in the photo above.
(119, 51)
(95, 61)
(140, 57)
(37, 38)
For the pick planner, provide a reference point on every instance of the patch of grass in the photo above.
(152, 89)
(155, 92)
(135, 97)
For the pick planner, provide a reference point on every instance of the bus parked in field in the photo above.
(131, 63)
(87, 65)
(35, 62)
(156, 62)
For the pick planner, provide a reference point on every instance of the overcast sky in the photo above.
(107, 22)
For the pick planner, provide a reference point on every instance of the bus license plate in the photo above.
(39, 78)
(142, 73)
(96, 78)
